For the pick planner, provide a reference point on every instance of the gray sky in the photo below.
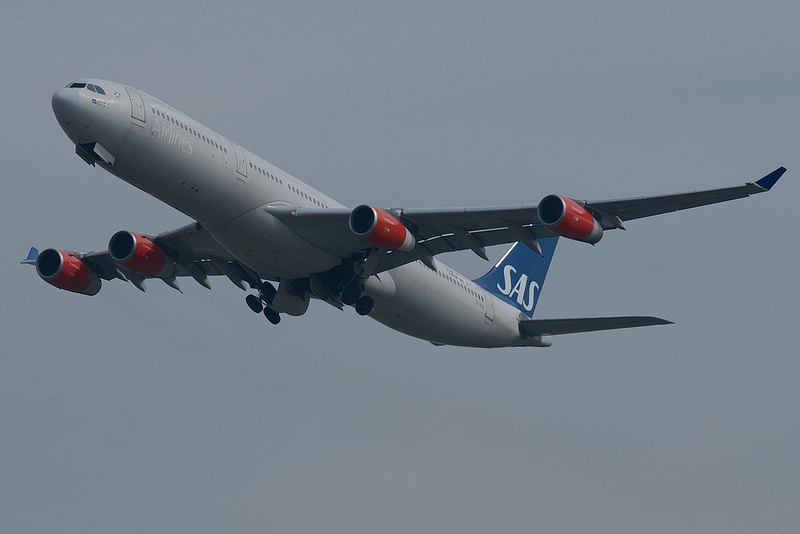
(162, 412)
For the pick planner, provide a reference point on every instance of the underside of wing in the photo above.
(188, 251)
(435, 231)
(425, 232)
(552, 327)
(608, 211)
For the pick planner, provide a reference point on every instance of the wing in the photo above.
(552, 327)
(439, 230)
(191, 251)
(639, 207)
(435, 230)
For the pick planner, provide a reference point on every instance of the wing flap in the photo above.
(431, 222)
(552, 327)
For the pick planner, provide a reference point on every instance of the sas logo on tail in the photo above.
(524, 291)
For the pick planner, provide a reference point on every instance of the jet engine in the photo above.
(567, 218)
(376, 227)
(140, 255)
(65, 271)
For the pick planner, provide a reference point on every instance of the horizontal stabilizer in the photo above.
(552, 327)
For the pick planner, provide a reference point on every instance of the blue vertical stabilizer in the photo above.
(519, 276)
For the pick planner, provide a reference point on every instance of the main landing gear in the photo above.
(254, 303)
(364, 305)
(272, 316)
(261, 303)
(351, 296)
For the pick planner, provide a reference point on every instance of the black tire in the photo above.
(364, 305)
(350, 295)
(254, 303)
(268, 292)
(272, 316)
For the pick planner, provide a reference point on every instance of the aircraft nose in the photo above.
(64, 102)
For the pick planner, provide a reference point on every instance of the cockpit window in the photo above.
(80, 85)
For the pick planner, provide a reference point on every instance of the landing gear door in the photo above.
(241, 163)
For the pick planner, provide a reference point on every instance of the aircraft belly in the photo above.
(272, 249)
(204, 192)
(427, 307)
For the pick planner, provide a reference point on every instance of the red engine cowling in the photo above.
(67, 272)
(376, 227)
(140, 255)
(567, 218)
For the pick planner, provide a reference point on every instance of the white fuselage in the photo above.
(225, 187)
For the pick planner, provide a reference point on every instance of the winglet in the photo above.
(32, 255)
(769, 180)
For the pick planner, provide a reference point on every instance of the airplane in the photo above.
(261, 227)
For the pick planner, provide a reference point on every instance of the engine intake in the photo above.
(376, 227)
(567, 218)
(65, 271)
(140, 255)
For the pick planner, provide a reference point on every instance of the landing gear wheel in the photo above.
(267, 292)
(272, 316)
(254, 303)
(350, 295)
(364, 305)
